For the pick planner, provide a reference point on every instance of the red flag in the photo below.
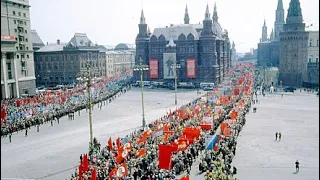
(18, 103)
(233, 115)
(110, 144)
(141, 152)
(85, 163)
(165, 156)
(206, 127)
(185, 178)
(121, 171)
(122, 153)
(94, 174)
(118, 142)
(80, 171)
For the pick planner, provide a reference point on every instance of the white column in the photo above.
(16, 75)
(4, 70)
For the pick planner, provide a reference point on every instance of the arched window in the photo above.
(182, 37)
(153, 38)
(162, 38)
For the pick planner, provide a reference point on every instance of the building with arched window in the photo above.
(203, 51)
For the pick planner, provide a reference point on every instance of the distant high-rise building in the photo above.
(17, 64)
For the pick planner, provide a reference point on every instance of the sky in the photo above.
(110, 22)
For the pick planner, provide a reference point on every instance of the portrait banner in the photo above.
(153, 68)
(169, 60)
(191, 68)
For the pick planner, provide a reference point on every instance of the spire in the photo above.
(149, 32)
(215, 13)
(142, 19)
(264, 36)
(186, 16)
(233, 45)
(207, 14)
(294, 12)
(272, 35)
(280, 5)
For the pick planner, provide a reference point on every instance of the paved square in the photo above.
(259, 156)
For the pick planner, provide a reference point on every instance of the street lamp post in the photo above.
(88, 77)
(142, 68)
(175, 67)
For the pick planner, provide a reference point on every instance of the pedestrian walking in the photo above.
(26, 133)
(10, 137)
(51, 122)
(297, 166)
(38, 126)
(276, 136)
(81, 158)
(79, 112)
(279, 136)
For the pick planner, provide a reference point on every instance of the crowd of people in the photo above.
(22, 113)
(136, 156)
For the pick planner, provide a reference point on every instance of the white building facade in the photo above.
(17, 63)
(120, 60)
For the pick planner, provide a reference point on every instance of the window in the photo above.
(26, 31)
(13, 12)
(27, 56)
(15, 30)
(317, 42)
(310, 42)
(16, 39)
(19, 13)
(14, 21)
(9, 70)
(26, 39)
(25, 23)
(17, 48)
(317, 60)
(24, 14)
(27, 48)
(17, 56)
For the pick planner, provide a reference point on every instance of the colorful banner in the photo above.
(169, 60)
(153, 68)
(191, 68)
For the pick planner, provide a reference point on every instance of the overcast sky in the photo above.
(109, 22)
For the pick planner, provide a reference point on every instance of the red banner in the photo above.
(191, 68)
(165, 156)
(153, 68)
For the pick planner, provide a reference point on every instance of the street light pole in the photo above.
(90, 104)
(141, 68)
(87, 76)
(175, 67)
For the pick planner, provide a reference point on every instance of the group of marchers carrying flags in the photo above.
(204, 129)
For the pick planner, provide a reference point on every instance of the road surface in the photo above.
(53, 153)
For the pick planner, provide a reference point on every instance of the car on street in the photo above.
(289, 89)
